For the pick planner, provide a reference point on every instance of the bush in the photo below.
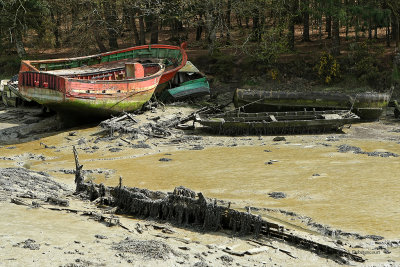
(328, 68)
(364, 62)
(9, 66)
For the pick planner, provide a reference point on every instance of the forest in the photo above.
(329, 41)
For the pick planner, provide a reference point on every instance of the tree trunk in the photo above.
(306, 22)
(256, 25)
(370, 29)
(56, 29)
(320, 29)
(148, 21)
(239, 20)
(112, 23)
(291, 8)
(154, 31)
(397, 31)
(328, 28)
(19, 44)
(336, 36)
(99, 42)
(388, 35)
(199, 28)
(142, 30)
(211, 32)
(357, 29)
(135, 31)
(291, 34)
(228, 14)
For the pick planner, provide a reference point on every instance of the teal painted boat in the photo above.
(193, 88)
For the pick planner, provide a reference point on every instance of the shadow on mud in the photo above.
(24, 124)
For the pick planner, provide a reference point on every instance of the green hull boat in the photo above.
(369, 106)
(238, 123)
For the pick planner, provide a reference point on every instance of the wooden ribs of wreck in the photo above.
(183, 208)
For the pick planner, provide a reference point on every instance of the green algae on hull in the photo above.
(55, 100)
(368, 106)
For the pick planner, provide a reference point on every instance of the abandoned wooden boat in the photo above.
(369, 106)
(97, 90)
(8, 98)
(189, 82)
(101, 84)
(395, 104)
(189, 89)
(238, 123)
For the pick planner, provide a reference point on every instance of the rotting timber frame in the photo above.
(183, 208)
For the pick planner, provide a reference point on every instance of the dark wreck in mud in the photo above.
(185, 208)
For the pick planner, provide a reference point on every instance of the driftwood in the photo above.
(19, 202)
(58, 201)
(271, 246)
(108, 220)
(128, 124)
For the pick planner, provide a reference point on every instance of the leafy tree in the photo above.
(18, 16)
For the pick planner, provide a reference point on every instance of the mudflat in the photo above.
(337, 188)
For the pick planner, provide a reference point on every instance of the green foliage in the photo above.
(222, 65)
(9, 66)
(328, 68)
(396, 75)
(273, 43)
(364, 61)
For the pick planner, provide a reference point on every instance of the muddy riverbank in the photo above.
(327, 190)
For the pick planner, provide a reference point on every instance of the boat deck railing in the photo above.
(42, 80)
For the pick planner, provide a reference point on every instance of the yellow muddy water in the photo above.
(347, 191)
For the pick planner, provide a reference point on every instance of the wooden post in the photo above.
(78, 171)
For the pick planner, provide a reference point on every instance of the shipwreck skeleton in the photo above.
(185, 208)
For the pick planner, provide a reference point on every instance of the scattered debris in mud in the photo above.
(28, 183)
(357, 150)
(151, 249)
(151, 128)
(277, 195)
(26, 156)
(24, 124)
(29, 244)
(106, 172)
(165, 159)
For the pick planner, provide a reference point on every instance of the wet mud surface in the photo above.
(339, 186)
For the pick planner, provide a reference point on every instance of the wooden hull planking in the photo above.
(368, 106)
(277, 122)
